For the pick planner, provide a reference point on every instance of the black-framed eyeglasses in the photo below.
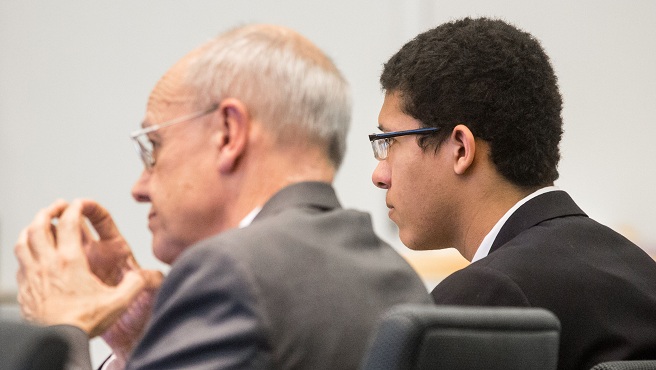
(381, 142)
(143, 144)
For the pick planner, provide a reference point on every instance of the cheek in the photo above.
(187, 196)
(186, 174)
(418, 188)
(162, 188)
(407, 179)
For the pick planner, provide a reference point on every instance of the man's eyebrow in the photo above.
(381, 128)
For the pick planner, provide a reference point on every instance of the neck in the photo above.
(261, 175)
(485, 210)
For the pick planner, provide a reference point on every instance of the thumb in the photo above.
(153, 279)
(127, 291)
(130, 286)
(120, 298)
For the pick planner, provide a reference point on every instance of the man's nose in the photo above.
(140, 187)
(381, 175)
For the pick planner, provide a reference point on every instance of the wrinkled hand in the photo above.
(125, 333)
(110, 258)
(69, 276)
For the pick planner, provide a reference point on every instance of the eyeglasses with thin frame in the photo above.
(381, 142)
(144, 145)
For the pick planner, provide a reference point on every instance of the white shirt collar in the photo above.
(249, 217)
(484, 249)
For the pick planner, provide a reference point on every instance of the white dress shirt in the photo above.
(484, 249)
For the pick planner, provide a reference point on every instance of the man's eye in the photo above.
(155, 144)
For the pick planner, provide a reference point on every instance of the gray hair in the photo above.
(286, 82)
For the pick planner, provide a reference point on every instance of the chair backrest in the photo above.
(418, 337)
(28, 347)
(626, 365)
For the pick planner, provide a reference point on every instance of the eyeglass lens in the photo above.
(145, 149)
(380, 147)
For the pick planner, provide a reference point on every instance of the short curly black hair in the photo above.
(495, 79)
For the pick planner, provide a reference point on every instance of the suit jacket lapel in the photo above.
(541, 208)
(318, 195)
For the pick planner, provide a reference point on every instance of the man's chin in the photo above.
(411, 241)
(163, 251)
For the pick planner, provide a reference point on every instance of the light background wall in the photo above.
(75, 75)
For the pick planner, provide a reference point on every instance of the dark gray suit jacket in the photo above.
(24, 346)
(550, 254)
(300, 288)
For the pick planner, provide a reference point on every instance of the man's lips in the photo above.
(151, 219)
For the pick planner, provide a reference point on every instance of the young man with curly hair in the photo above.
(468, 156)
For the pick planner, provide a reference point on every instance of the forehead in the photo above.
(392, 117)
(170, 95)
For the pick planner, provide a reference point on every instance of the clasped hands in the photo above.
(70, 275)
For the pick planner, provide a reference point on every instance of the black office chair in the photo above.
(28, 347)
(626, 365)
(419, 337)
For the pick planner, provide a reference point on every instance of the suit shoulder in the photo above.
(479, 285)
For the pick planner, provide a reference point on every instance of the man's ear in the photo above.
(464, 148)
(233, 137)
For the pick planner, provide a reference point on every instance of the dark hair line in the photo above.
(495, 79)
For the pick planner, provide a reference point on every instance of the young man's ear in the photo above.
(464, 148)
(233, 136)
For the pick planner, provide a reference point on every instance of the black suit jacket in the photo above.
(550, 254)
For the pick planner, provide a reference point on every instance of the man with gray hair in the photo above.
(241, 141)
